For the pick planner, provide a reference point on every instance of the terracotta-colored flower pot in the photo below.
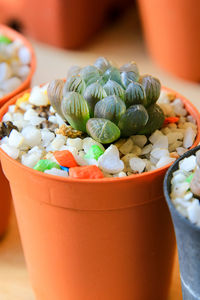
(188, 240)
(5, 199)
(172, 31)
(108, 239)
(70, 23)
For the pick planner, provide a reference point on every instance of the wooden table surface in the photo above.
(121, 42)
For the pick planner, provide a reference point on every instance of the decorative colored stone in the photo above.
(64, 168)
(189, 178)
(94, 152)
(45, 164)
(86, 172)
(65, 158)
(4, 40)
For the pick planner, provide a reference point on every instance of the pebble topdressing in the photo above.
(185, 188)
(15, 61)
(35, 135)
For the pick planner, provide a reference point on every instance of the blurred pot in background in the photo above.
(172, 31)
(62, 23)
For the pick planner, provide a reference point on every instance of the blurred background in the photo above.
(171, 29)
(162, 36)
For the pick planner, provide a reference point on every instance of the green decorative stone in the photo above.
(94, 152)
(189, 178)
(4, 40)
(45, 164)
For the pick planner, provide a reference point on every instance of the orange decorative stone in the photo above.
(86, 172)
(65, 158)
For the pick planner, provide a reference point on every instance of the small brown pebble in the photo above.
(120, 142)
(174, 155)
(171, 96)
(18, 110)
(195, 183)
(6, 128)
(68, 131)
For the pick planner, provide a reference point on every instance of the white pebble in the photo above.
(188, 164)
(77, 143)
(163, 161)
(16, 139)
(137, 164)
(194, 212)
(180, 189)
(88, 142)
(180, 150)
(58, 142)
(147, 149)
(29, 114)
(30, 159)
(47, 137)
(110, 162)
(5, 71)
(159, 152)
(7, 117)
(38, 97)
(161, 142)
(154, 137)
(10, 84)
(189, 137)
(24, 55)
(32, 136)
(11, 151)
(57, 172)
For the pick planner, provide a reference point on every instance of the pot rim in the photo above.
(148, 175)
(13, 35)
(168, 174)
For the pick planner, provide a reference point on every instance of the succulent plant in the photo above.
(107, 102)
(110, 108)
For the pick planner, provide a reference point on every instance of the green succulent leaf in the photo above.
(114, 88)
(90, 74)
(133, 120)
(75, 110)
(155, 121)
(102, 130)
(152, 88)
(74, 84)
(113, 74)
(110, 108)
(132, 69)
(102, 64)
(127, 78)
(73, 71)
(93, 94)
(135, 94)
(55, 94)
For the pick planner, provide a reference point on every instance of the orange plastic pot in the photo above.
(5, 199)
(105, 239)
(172, 31)
(70, 24)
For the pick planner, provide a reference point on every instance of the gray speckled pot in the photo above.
(188, 240)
